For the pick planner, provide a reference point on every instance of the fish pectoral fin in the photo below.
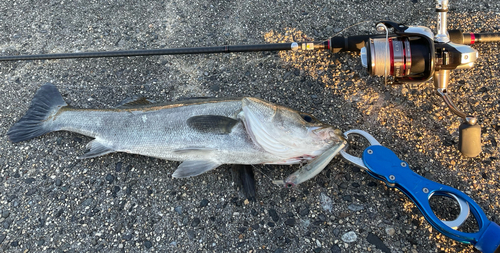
(133, 102)
(215, 124)
(97, 148)
(194, 168)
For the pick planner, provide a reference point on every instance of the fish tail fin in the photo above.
(46, 103)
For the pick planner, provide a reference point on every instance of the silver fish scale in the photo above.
(165, 134)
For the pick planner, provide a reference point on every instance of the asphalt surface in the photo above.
(52, 202)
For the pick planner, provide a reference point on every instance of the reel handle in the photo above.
(469, 142)
(469, 131)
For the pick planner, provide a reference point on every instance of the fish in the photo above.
(203, 134)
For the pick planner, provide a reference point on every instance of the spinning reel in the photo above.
(414, 54)
(409, 54)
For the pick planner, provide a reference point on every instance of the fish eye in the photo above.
(307, 118)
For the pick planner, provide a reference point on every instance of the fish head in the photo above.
(287, 133)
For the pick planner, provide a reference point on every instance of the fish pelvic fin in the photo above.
(96, 148)
(194, 168)
(244, 178)
(46, 103)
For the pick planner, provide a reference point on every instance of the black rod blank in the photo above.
(148, 52)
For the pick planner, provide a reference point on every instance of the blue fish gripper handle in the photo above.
(384, 165)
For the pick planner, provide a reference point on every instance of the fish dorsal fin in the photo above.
(215, 124)
(134, 101)
(97, 148)
(194, 168)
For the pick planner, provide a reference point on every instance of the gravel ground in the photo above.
(52, 202)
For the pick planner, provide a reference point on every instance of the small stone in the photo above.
(317, 250)
(110, 178)
(279, 250)
(274, 215)
(31, 191)
(87, 202)
(5, 214)
(335, 249)
(191, 234)
(326, 202)
(318, 243)
(279, 232)
(344, 214)
(305, 223)
(204, 203)
(6, 223)
(29, 180)
(148, 244)
(355, 207)
(349, 237)
(290, 222)
(127, 237)
(2, 237)
(390, 231)
(178, 209)
(14, 243)
(336, 232)
(39, 243)
(254, 212)
(375, 240)
(58, 182)
(10, 198)
(304, 211)
(118, 166)
(59, 213)
(196, 222)
(271, 224)
(347, 198)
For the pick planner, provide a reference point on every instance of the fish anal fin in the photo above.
(97, 148)
(215, 124)
(194, 168)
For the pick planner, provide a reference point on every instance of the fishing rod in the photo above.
(404, 54)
